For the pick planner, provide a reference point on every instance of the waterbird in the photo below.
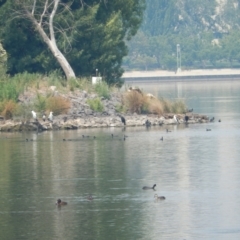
(168, 130)
(90, 197)
(44, 117)
(50, 117)
(208, 129)
(219, 120)
(60, 203)
(186, 118)
(161, 138)
(146, 188)
(175, 119)
(190, 110)
(122, 119)
(159, 197)
(148, 123)
(212, 119)
(34, 115)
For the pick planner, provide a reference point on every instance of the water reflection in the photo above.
(197, 171)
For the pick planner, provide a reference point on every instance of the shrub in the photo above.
(40, 103)
(155, 106)
(58, 105)
(9, 90)
(102, 89)
(8, 108)
(95, 104)
(134, 101)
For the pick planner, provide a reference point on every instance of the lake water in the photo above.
(198, 172)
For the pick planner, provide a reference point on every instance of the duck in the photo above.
(146, 188)
(159, 197)
(90, 197)
(60, 203)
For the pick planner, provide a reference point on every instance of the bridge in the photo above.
(184, 75)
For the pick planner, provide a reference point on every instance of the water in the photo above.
(197, 171)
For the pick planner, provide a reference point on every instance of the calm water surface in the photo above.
(197, 171)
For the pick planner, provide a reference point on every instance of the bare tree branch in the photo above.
(43, 13)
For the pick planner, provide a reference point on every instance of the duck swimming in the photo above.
(159, 197)
(60, 203)
(146, 188)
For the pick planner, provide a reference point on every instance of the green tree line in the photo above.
(91, 34)
(204, 42)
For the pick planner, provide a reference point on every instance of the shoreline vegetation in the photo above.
(77, 103)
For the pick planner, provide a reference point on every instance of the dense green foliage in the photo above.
(90, 33)
(209, 38)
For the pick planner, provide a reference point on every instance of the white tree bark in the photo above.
(49, 40)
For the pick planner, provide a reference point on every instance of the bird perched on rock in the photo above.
(34, 115)
(148, 123)
(50, 117)
(175, 119)
(122, 119)
(186, 118)
(44, 117)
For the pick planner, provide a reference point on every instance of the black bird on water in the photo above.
(146, 188)
(208, 129)
(212, 119)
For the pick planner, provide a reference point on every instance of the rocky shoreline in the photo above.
(60, 123)
(80, 115)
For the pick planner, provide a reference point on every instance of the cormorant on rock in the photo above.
(186, 118)
(148, 123)
(122, 119)
(64, 119)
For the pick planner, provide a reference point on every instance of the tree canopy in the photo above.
(91, 34)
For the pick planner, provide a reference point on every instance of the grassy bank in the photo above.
(45, 98)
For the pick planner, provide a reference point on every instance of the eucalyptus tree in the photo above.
(82, 35)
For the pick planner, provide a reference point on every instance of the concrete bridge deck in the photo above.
(184, 75)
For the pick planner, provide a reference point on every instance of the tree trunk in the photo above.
(51, 43)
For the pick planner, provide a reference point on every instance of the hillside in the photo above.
(206, 30)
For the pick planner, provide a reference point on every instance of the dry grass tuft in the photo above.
(134, 101)
(141, 103)
(58, 105)
(155, 106)
(8, 108)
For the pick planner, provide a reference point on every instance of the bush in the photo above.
(134, 101)
(102, 89)
(8, 108)
(138, 102)
(95, 104)
(58, 105)
(40, 103)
